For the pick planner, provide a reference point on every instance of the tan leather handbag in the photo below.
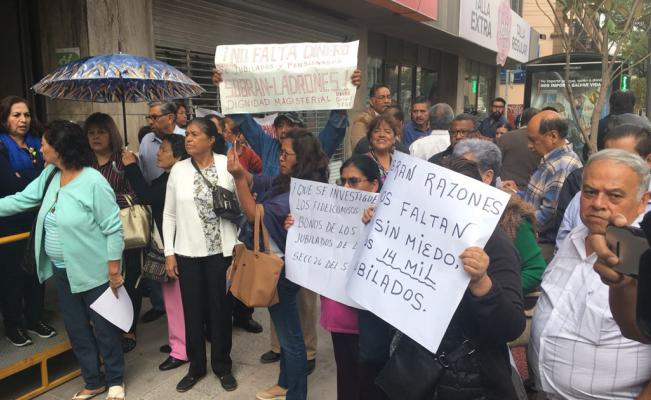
(136, 224)
(253, 273)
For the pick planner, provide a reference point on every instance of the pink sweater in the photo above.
(337, 317)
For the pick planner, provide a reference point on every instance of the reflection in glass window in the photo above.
(406, 89)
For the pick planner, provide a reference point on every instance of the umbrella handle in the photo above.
(115, 169)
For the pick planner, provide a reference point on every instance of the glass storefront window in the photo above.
(406, 88)
(486, 89)
(391, 75)
(374, 72)
(470, 89)
(428, 85)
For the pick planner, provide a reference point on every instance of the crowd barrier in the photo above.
(26, 372)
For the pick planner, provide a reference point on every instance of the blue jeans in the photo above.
(293, 357)
(86, 344)
(375, 337)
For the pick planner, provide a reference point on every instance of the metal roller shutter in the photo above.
(185, 36)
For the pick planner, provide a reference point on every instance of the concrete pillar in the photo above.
(97, 27)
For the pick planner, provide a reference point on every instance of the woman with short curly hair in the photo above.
(78, 240)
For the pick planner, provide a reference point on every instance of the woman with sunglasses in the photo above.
(360, 339)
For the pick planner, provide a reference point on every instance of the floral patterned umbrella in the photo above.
(117, 78)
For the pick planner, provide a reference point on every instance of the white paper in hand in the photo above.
(118, 311)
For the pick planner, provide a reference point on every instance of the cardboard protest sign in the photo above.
(286, 77)
(408, 270)
(325, 234)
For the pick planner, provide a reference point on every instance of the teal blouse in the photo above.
(88, 222)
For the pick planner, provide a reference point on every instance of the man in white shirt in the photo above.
(441, 115)
(624, 137)
(577, 351)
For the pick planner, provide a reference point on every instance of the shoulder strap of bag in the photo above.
(194, 164)
(48, 181)
(259, 223)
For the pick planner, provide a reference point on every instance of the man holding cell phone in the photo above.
(629, 293)
(577, 349)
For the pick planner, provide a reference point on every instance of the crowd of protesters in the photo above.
(67, 184)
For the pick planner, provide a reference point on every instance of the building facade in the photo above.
(416, 52)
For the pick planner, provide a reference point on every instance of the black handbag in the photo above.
(28, 264)
(224, 201)
(412, 372)
(153, 267)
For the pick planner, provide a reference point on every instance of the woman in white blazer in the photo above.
(198, 249)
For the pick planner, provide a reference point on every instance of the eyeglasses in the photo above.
(285, 154)
(154, 117)
(387, 97)
(352, 181)
(460, 132)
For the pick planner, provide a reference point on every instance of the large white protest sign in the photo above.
(286, 77)
(408, 271)
(322, 241)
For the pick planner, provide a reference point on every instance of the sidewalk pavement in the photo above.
(145, 382)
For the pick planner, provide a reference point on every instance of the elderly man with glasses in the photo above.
(546, 135)
(162, 120)
(463, 126)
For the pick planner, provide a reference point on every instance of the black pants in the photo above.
(21, 294)
(203, 291)
(131, 270)
(346, 348)
(241, 313)
(375, 337)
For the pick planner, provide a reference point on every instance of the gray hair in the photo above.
(440, 116)
(166, 107)
(631, 160)
(487, 155)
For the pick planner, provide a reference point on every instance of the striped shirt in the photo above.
(113, 171)
(576, 350)
(53, 247)
(546, 183)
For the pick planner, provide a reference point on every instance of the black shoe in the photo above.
(311, 366)
(128, 344)
(18, 337)
(42, 329)
(171, 363)
(152, 315)
(165, 349)
(188, 382)
(269, 357)
(249, 325)
(228, 382)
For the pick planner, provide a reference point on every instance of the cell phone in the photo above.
(628, 243)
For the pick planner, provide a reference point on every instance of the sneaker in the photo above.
(18, 337)
(42, 329)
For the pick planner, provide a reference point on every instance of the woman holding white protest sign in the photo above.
(301, 157)
(472, 362)
(355, 378)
